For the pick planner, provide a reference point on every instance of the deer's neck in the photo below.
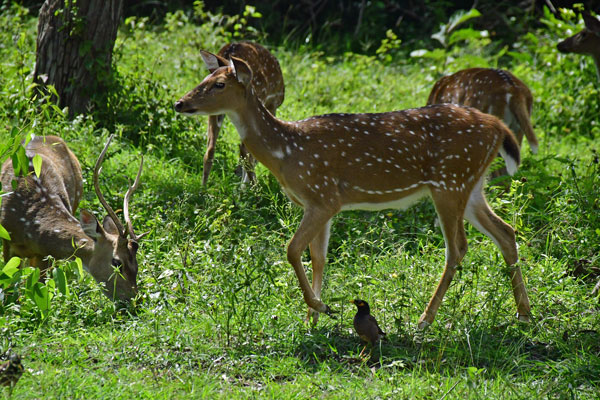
(267, 137)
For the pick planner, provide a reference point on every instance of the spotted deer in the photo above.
(267, 81)
(39, 216)
(587, 41)
(493, 91)
(336, 162)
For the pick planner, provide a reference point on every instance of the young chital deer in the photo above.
(39, 216)
(493, 91)
(267, 82)
(585, 42)
(335, 162)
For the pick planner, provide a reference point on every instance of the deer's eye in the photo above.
(219, 85)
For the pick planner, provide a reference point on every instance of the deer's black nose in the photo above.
(178, 106)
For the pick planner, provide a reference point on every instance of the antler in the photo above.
(108, 209)
(130, 191)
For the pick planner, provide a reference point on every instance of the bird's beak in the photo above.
(352, 301)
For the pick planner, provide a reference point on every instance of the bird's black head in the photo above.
(361, 305)
(14, 358)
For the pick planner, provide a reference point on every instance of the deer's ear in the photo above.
(89, 224)
(242, 71)
(591, 23)
(109, 225)
(213, 61)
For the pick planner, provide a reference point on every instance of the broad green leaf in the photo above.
(460, 17)
(455, 20)
(37, 165)
(464, 34)
(4, 233)
(61, 280)
(41, 296)
(28, 138)
(78, 267)
(33, 278)
(12, 266)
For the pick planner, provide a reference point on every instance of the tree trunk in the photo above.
(74, 48)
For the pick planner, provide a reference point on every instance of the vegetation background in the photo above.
(220, 313)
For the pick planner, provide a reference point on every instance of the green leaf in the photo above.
(41, 296)
(37, 165)
(460, 17)
(4, 233)
(77, 265)
(20, 162)
(464, 34)
(33, 278)
(12, 266)
(61, 280)
(436, 54)
(455, 20)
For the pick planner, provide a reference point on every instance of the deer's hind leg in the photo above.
(480, 215)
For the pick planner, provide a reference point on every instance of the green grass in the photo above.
(221, 314)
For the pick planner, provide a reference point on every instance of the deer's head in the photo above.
(228, 82)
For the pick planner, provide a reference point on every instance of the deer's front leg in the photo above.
(214, 126)
(314, 225)
(318, 255)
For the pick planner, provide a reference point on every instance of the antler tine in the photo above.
(130, 191)
(109, 210)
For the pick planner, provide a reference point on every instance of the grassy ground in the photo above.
(220, 314)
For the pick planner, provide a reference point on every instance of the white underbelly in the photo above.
(398, 204)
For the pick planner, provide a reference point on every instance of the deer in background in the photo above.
(39, 216)
(336, 162)
(585, 42)
(493, 91)
(267, 81)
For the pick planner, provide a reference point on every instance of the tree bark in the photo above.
(74, 48)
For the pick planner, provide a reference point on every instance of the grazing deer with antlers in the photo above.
(39, 215)
(493, 91)
(336, 162)
(587, 41)
(267, 81)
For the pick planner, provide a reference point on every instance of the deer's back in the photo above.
(37, 206)
(267, 79)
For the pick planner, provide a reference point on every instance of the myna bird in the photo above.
(10, 370)
(365, 324)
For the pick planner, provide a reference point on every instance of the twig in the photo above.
(449, 390)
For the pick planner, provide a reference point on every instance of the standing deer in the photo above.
(39, 215)
(267, 82)
(336, 162)
(585, 42)
(493, 91)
